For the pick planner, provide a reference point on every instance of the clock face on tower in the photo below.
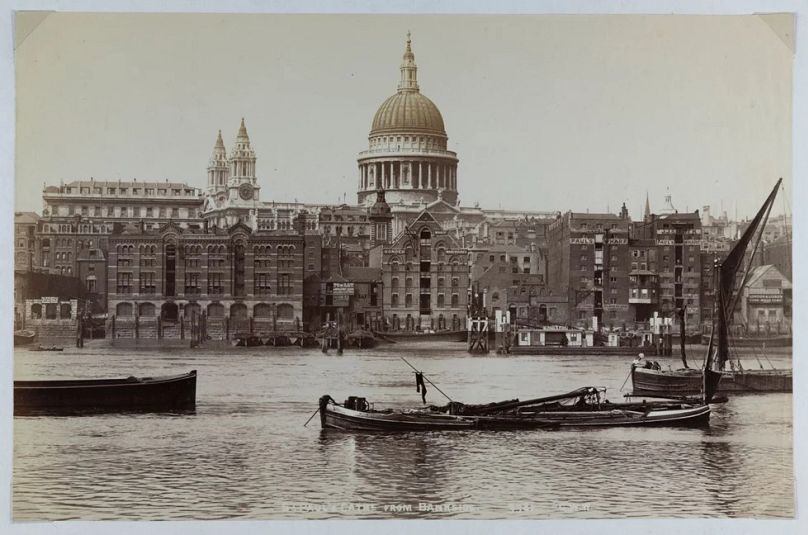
(245, 191)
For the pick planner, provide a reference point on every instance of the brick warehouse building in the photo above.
(587, 262)
(676, 240)
(425, 278)
(234, 281)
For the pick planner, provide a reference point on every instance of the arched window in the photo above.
(455, 300)
(441, 300)
(262, 310)
(36, 311)
(123, 309)
(238, 310)
(394, 300)
(215, 310)
(286, 311)
(394, 283)
(146, 309)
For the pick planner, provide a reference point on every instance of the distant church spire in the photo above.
(242, 157)
(647, 214)
(218, 168)
(242, 136)
(219, 147)
(409, 71)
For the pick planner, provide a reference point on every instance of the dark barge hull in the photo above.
(632, 414)
(338, 417)
(697, 416)
(145, 394)
(689, 382)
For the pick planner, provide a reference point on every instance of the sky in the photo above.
(545, 112)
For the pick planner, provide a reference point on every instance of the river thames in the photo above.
(245, 454)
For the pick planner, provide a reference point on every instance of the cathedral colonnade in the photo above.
(408, 174)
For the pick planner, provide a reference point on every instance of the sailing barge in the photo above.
(713, 377)
(147, 394)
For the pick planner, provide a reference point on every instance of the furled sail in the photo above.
(726, 303)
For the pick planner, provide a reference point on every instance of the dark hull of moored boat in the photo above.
(337, 417)
(654, 413)
(690, 416)
(147, 394)
(689, 382)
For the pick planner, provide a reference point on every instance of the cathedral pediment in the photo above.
(442, 207)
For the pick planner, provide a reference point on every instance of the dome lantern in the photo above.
(409, 70)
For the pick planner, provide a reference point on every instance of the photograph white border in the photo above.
(681, 7)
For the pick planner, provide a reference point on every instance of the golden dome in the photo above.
(408, 111)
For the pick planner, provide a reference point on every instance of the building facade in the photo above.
(588, 262)
(25, 251)
(237, 281)
(766, 302)
(678, 241)
(425, 278)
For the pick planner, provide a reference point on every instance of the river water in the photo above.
(245, 453)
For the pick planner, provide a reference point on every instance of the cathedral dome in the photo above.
(408, 111)
(407, 156)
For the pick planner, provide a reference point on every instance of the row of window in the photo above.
(215, 285)
(394, 282)
(99, 190)
(125, 211)
(394, 300)
(420, 142)
(283, 311)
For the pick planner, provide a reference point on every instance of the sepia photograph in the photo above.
(401, 266)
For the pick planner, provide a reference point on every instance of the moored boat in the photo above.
(425, 336)
(585, 407)
(689, 381)
(356, 414)
(588, 407)
(149, 394)
(361, 339)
